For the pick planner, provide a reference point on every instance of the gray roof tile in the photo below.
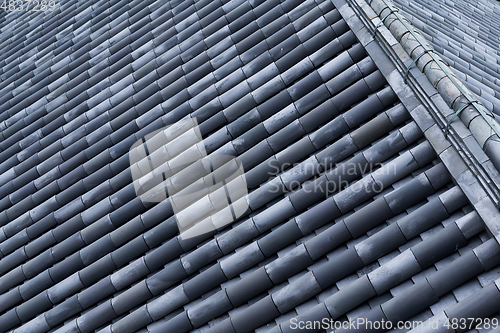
(259, 76)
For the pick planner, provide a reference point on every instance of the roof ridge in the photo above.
(428, 96)
(453, 90)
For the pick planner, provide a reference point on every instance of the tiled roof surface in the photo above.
(467, 35)
(282, 85)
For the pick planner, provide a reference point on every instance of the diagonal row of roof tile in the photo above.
(359, 207)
